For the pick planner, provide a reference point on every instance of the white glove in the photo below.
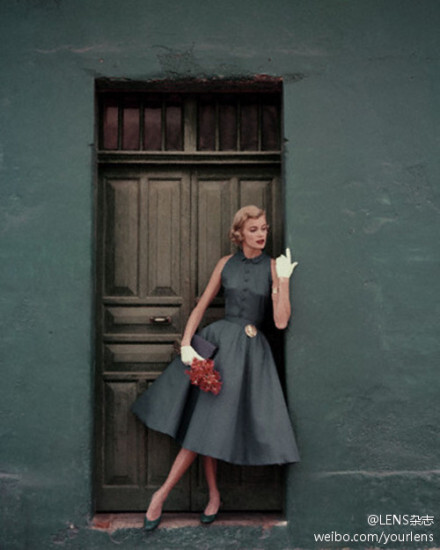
(187, 354)
(284, 265)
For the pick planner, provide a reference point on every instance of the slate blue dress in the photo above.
(247, 422)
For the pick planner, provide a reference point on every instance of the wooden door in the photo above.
(160, 233)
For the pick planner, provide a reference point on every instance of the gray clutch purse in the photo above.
(203, 347)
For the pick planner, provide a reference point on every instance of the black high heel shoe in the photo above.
(151, 524)
(207, 519)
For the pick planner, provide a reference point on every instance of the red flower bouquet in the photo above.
(203, 374)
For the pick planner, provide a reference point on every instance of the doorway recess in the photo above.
(175, 161)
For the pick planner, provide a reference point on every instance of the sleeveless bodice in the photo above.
(247, 286)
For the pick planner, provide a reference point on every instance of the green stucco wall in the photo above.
(361, 115)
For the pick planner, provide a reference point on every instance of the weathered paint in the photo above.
(361, 98)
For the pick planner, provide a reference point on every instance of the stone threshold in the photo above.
(111, 522)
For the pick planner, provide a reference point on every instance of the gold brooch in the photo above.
(250, 330)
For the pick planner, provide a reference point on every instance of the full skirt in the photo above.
(246, 423)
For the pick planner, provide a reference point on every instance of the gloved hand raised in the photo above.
(284, 265)
(187, 354)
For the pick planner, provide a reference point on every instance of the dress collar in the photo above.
(255, 260)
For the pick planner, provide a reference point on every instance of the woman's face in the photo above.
(254, 233)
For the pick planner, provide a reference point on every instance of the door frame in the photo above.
(197, 162)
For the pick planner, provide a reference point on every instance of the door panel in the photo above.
(137, 323)
(166, 234)
(120, 467)
(215, 198)
(122, 236)
(160, 233)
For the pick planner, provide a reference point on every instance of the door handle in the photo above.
(160, 320)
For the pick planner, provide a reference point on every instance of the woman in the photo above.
(247, 422)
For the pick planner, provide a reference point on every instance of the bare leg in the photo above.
(182, 462)
(210, 465)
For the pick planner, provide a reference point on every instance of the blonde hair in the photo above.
(240, 219)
